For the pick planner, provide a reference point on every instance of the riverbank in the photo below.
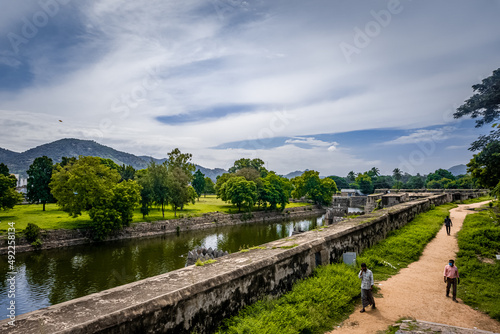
(65, 238)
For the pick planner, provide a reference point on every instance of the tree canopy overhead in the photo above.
(484, 106)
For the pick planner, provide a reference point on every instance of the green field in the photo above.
(54, 218)
(479, 243)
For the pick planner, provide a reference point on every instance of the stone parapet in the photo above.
(199, 298)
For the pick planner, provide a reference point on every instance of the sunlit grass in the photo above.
(54, 218)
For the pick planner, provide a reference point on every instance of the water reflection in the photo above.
(54, 276)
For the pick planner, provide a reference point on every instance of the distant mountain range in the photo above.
(458, 170)
(19, 163)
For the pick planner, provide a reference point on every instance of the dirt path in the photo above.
(419, 292)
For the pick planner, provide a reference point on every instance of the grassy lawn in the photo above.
(479, 243)
(54, 218)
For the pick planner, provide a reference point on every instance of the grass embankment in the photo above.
(317, 303)
(54, 218)
(477, 200)
(479, 242)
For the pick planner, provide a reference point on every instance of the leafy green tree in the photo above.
(110, 163)
(127, 172)
(339, 181)
(365, 183)
(239, 192)
(198, 183)
(484, 106)
(309, 184)
(415, 182)
(397, 185)
(434, 184)
(66, 161)
(383, 182)
(9, 197)
(209, 186)
(156, 185)
(485, 165)
(177, 159)
(256, 164)
(89, 185)
(180, 174)
(275, 190)
(466, 182)
(126, 196)
(351, 177)
(4, 170)
(147, 195)
(221, 179)
(81, 185)
(179, 191)
(39, 176)
(438, 175)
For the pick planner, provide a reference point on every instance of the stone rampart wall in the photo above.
(199, 298)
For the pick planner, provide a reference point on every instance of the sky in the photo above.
(332, 86)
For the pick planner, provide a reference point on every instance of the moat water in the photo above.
(54, 276)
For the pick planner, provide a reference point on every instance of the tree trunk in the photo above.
(43, 206)
(162, 210)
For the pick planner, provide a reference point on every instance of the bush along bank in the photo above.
(316, 304)
(479, 243)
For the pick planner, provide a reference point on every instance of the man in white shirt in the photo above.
(366, 276)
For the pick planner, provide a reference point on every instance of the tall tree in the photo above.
(397, 174)
(8, 194)
(157, 183)
(365, 183)
(374, 172)
(340, 181)
(309, 184)
(351, 177)
(240, 192)
(485, 165)
(484, 106)
(256, 164)
(39, 176)
(209, 186)
(275, 190)
(126, 172)
(415, 182)
(180, 174)
(198, 183)
(4, 170)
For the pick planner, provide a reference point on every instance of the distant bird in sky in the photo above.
(60, 121)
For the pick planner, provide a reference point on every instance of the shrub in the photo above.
(32, 232)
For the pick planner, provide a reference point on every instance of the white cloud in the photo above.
(422, 135)
(270, 57)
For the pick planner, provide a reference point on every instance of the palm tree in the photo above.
(397, 174)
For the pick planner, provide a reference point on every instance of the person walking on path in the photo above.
(451, 278)
(448, 224)
(366, 276)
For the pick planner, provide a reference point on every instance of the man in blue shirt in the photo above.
(366, 276)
